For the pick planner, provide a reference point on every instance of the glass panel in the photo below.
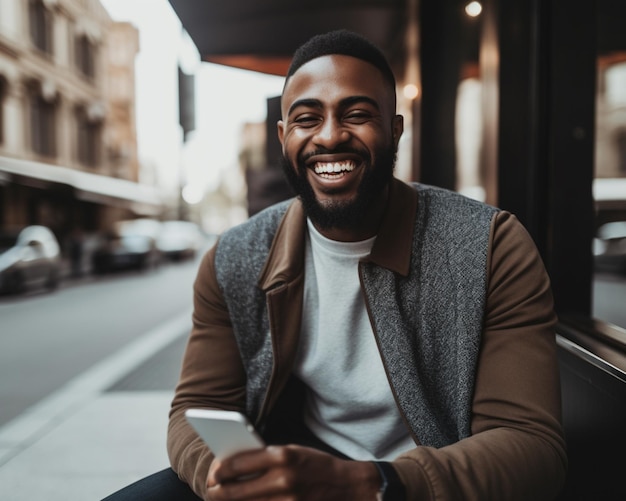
(40, 26)
(87, 139)
(85, 56)
(43, 135)
(609, 246)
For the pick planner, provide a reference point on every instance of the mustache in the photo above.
(342, 149)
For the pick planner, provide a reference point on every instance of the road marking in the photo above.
(38, 420)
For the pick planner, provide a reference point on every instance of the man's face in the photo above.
(339, 134)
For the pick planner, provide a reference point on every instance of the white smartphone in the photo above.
(225, 432)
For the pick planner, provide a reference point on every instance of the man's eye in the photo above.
(305, 120)
(357, 116)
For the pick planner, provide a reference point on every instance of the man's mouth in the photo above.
(333, 170)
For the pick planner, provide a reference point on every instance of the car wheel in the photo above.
(53, 280)
(98, 268)
(156, 262)
(148, 263)
(16, 283)
(143, 263)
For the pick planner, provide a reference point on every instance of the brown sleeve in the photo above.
(516, 450)
(212, 376)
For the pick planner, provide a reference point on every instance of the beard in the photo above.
(342, 214)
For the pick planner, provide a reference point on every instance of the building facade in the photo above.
(68, 149)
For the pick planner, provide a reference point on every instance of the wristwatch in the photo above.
(391, 487)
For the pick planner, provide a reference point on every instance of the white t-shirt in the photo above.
(350, 405)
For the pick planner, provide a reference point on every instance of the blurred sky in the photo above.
(226, 98)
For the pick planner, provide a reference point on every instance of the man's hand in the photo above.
(291, 472)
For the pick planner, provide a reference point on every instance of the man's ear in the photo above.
(280, 127)
(397, 128)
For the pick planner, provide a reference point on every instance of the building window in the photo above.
(86, 56)
(40, 23)
(89, 130)
(42, 125)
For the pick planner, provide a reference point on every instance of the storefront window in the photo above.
(609, 246)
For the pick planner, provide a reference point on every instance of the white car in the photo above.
(179, 240)
(29, 257)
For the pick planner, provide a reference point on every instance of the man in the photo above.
(396, 339)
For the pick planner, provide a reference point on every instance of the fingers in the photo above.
(253, 462)
(259, 487)
(278, 472)
(252, 474)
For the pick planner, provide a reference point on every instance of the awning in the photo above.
(262, 35)
(87, 186)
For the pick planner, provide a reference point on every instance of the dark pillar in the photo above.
(440, 45)
(544, 85)
(570, 162)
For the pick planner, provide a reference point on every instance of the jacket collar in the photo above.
(392, 248)
(285, 260)
(393, 245)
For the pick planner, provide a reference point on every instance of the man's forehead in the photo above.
(334, 71)
(337, 63)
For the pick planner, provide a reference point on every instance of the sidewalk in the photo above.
(101, 431)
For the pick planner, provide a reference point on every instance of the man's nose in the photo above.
(330, 134)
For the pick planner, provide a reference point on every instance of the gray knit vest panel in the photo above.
(429, 324)
(239, 259)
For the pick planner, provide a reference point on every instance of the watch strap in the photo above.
(391, 488)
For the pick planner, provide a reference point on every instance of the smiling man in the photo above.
(340, 142)
(389, 341)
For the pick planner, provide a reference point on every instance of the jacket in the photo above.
(492, 433)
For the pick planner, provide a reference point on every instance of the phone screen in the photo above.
(225, 432)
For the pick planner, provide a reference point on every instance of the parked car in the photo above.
(129, 245)
(179, 240)
(29, 257)
(609, 247)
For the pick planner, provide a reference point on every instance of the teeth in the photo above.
(334, 167)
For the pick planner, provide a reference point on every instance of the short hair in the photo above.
(342, 42)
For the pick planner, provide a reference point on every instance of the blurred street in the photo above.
(46, 339)
(87, 374)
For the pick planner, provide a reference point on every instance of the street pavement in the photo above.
(102, 430)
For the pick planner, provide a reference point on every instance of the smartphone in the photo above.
(225, 432)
